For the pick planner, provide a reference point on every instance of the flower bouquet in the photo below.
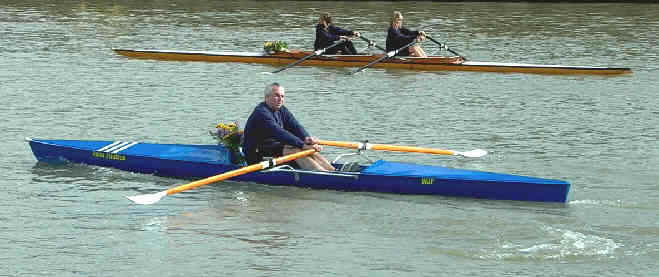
(231, 137)
(271, 47)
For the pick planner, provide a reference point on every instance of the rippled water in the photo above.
(59, 79)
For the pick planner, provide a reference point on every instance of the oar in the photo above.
(386, 147)
(370, 42)
(315, 53)
(445, 47)
(386, 56)
(146, 199)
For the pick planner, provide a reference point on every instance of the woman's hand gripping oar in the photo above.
(315, 53)
(146, 199)
(386, 147)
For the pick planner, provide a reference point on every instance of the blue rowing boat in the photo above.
(201, 161)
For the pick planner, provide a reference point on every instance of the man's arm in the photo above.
(279, 133)
(292, 125)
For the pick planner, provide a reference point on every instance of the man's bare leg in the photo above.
(305, 162)
(323, 162)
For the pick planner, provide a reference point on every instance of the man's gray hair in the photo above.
(270, 87)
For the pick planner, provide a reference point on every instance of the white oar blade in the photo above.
(476, 153)
(147, 199)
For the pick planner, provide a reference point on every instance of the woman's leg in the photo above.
(417, 51)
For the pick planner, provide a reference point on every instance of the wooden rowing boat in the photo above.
(432, 63)
(201, 161)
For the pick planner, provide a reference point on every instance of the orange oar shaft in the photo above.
(345, 144)
(241, 171)
(410, 149)
(385, 147)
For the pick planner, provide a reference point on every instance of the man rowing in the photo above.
(327, 34)
(273, 131)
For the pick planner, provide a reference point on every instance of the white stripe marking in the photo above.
(108, 146)
(117, 146)
(124, 148)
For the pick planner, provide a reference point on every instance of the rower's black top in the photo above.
(399, 37)
(325, 38)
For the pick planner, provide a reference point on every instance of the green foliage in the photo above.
(275, 46)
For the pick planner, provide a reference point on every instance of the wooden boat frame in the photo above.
(432, 63)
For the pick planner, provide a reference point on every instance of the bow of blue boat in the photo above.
(201, 161)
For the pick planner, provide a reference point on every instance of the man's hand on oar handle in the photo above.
(312, 143)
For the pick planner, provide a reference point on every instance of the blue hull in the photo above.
(200, 161)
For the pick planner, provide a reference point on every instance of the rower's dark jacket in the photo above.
(267, 131)
(397, 38)
(327, 37)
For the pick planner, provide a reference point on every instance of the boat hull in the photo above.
(433, 63)
(200, 161)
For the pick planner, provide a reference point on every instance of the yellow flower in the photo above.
(228, 127)
(230, 136)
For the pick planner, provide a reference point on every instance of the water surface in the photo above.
(59, 79)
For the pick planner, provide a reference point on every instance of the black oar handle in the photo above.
(315, 53)
(446, 47)
(386, 56)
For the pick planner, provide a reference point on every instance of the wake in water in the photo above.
(564, 245)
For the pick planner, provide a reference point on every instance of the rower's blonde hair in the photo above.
(396, 15)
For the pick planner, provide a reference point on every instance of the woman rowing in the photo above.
(399, 36)
(327, 34)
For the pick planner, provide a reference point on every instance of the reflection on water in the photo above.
(94, 178)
